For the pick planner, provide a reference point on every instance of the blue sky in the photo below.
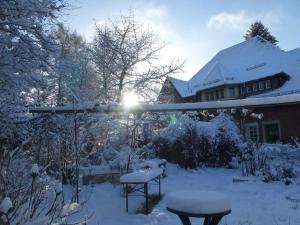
(195, 29)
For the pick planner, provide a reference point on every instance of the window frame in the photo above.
(248, 125)
(268, 84)
(212, 96)
(256, 87)
(222, 96)
(231, 92)
(261, 85)
(249, 89)
(207, 96)
(269, 123)
(217, 94)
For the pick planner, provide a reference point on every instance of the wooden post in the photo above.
(146, 196)
(159, 186)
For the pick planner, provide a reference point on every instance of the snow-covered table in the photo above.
(194, 203)
(141, 177)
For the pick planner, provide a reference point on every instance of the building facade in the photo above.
(252, 69)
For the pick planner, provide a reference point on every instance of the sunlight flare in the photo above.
(130, 99)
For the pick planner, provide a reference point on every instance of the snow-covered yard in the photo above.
(253, 202)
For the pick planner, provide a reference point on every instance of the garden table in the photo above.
(206, 204)
(141, 177)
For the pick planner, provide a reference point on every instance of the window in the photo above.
(231, 93)
(207, 96)
(268, 84)
(222, 93)
(251, 131)
(261, 85)
(217, 95)
(212, 96)
(272, 132)
(249, 89)
(254, 87)
(242, 90)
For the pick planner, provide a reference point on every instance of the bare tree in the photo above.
(128, 57)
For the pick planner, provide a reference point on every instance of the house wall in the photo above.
(168, 93)
(288, 117)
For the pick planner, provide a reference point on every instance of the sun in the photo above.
(130, 99)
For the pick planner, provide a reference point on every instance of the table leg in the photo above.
(215, 220)
(212, 220)
(126, 191)
(184, 219)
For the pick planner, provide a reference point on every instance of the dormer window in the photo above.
(212, 96)
(254, 87)
(217, 95)
(261, 85)
(242, 90)
(222, 93)
(207, 96)
(249, 89)
(231, 93)
(268, 84)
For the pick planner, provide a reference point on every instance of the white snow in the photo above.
(253, 202)
(198, 201)
(141, 176)
(182, 87)
(227, 104)
(149, 164)
(5, 205)
(70, 208)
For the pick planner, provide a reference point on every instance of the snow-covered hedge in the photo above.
(273, 162)
(192, 143)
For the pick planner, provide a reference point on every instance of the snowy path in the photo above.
(253, 202)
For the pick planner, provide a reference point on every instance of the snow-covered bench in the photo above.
(141, 177)
(189, 203)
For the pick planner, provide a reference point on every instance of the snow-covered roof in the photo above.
(250, 60)
(227, 104)
(181, 86)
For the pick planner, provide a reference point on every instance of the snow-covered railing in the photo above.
(227, 104)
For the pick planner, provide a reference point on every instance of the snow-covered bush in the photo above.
(271, 162)
(277, 162)
(192, 143)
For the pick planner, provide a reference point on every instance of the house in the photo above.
(252, 69)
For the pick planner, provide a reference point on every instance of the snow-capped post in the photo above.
(5, 207)
(34, 172)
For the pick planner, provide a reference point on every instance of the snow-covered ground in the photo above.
(253, 202)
